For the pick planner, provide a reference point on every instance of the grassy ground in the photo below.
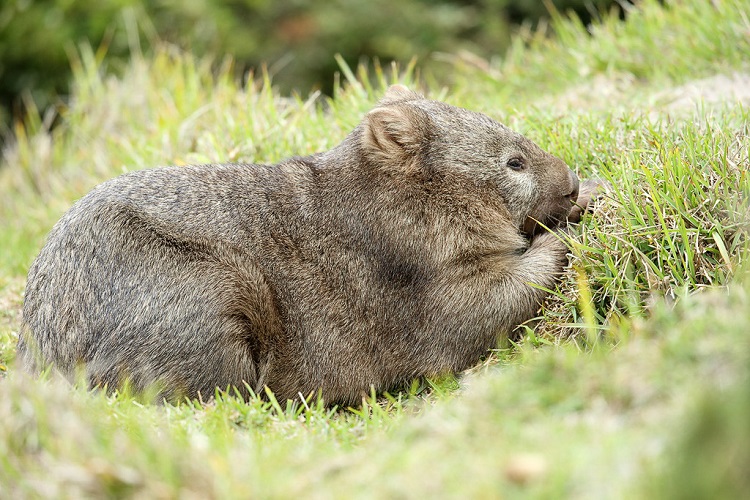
(634, 383)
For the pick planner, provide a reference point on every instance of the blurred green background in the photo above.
(297, 39)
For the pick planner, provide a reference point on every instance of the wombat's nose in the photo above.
(573, 194)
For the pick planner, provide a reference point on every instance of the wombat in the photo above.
(407, 250)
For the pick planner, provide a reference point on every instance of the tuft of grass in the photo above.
(10, 318)
(675, 219)
(639, 356)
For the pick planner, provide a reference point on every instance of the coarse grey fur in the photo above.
(404, 251)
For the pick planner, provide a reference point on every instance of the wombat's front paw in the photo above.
(551, 245)
(589, 191)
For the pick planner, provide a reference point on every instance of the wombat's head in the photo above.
(409, 133)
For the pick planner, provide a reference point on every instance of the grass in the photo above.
(632, 383)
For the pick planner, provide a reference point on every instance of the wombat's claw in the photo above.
(591, 190)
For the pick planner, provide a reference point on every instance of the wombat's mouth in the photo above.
(535, 224)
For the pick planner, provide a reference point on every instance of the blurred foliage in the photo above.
(712, 459)
(297, 38)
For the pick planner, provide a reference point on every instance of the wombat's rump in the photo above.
(404, 251)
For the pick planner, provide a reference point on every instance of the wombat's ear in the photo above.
(398, 93)
(395, 134)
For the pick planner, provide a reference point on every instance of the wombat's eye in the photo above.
(516, 163)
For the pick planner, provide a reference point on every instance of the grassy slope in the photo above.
(590, 415)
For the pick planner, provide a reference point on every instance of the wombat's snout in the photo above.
(574, 184)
